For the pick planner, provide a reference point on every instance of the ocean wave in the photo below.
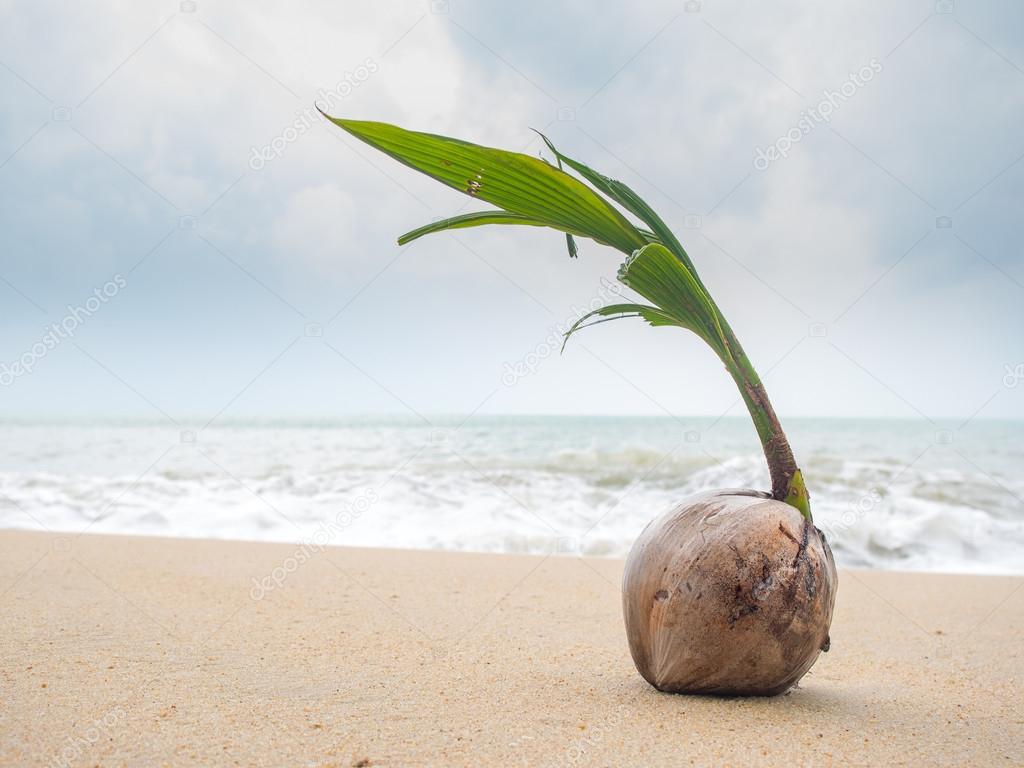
(520, 489)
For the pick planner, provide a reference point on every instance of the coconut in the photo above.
(730, 593)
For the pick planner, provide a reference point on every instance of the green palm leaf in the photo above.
(478, 219)
(514, 182)
(625, 197)
(652, 315)
(660, 277)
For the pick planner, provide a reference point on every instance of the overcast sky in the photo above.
(872, 266)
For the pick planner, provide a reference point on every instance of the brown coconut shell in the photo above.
(730, 593)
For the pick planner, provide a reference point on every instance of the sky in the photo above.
(848, 178)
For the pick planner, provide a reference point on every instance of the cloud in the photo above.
(167, 107)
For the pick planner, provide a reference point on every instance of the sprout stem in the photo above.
(787, 480)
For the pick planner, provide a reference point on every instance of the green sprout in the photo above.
(531, 192)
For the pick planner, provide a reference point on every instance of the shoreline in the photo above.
(124, 650)
(156, 538)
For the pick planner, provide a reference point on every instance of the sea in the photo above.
(890, 494)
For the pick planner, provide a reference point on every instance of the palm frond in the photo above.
(514, 182)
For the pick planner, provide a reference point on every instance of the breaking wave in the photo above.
(887, 493)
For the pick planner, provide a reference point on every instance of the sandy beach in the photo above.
(143, 651)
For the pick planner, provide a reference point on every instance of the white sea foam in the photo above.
(889, 494)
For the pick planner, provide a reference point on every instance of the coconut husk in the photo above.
(730, 593)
